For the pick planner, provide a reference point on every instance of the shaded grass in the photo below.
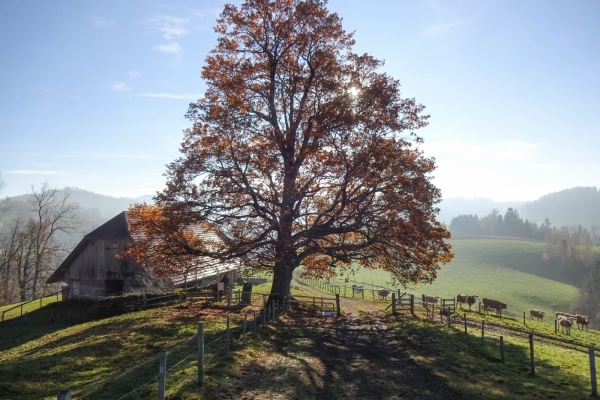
(100, 359)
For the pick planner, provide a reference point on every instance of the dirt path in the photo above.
(351, 308)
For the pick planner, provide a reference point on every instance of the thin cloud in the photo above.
(441, 29)
(171, 96)
(109, 156)
(63, 94)
(170, 26)
(33, 172)
(120, 87)
(172, 47)
(102, 22)
(134, 74)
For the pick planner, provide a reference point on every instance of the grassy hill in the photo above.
(505, 269)
(106, 358)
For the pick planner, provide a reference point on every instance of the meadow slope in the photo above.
(509, 270)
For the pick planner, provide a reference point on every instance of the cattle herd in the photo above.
(563, 320)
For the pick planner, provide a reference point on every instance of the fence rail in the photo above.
(40, 299)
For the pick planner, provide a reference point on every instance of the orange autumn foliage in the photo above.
(303, 153)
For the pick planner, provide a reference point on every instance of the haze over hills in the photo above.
(574, 206)
(94, 209)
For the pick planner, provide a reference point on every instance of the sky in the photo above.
(93, 93)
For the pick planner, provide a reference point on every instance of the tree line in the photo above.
(29, 246)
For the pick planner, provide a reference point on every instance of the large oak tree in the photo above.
(302, 153)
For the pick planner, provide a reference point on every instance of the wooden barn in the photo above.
(93, 270)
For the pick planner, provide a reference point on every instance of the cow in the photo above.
(539, 315)
(358, 288)
(582, 320)
(495, 304)
(485, 308)
(430, 299)
(559, 314)
(383, 293)
(565, 323)
(466, 298)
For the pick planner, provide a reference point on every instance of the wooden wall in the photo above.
(97, 263)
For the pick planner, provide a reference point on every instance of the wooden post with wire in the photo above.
(162, 375)
(200, 353)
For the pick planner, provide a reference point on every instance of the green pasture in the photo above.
(511, 271)
(14, 310)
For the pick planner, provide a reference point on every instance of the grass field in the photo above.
(106, 358)
(12, 310)
(511, 271)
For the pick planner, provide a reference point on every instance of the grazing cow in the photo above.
(466, 298)
(383, 293)
(560, 314)
(495, 304)
(485, 308)
(565, 323)
(358, 288)
(539, 315)
(582, 320)
(430, 299)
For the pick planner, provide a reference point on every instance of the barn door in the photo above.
(75, 288)
(114, 287)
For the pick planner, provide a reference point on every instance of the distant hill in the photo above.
(578, 205)
(94, 209)
(455, 206)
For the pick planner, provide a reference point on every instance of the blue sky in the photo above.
(93, 93)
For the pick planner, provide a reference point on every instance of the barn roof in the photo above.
(119, 227)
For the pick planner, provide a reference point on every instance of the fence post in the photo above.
(162, 375)
(593, 372)
(200, 353)
(482, 330)
(64, 394)
(227, 339)
(465, 317)
(448, 316)
(479, 307)
(531, 353)
(274, 308)
(502, 349)
(524, 323)
(21, 310)
(393, 303)
(229, 298)
(555, 326)
(244, 329)
(254, 323)
(337, 304)
(412, 304)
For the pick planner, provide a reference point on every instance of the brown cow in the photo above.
(559, 313)
(383, 293)
(565, 323)
(495, 304)
(582, 320)
(430, 299)
(466, 298)
(539, 315)
(485, 308)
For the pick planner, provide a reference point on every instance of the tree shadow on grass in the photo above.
(383, 360)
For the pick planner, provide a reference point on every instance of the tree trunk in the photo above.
(282, 279)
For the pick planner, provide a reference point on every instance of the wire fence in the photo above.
(185, 361)
(445, 311)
